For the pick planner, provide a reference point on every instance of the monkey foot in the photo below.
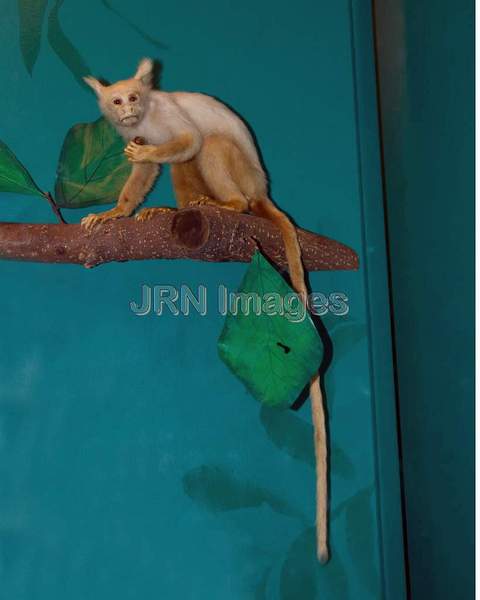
(91, 221)
(236, 204)
(203, 201)
(147, 213)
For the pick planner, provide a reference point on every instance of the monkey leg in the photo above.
(218, 163)
(190, 189)
(134, 191)
(188, 183)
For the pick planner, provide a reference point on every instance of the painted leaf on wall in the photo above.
(13, 175)
(293, 435)
(31, 15)
(303, 577)
(219, 490)
(146, 36)
(92, 167)
(63, 47)
(260, 591)
(360, 523)
(268, 340)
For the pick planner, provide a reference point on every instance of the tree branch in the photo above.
(204, 233)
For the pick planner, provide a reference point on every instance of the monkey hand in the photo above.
(91, 221)
(139, 153)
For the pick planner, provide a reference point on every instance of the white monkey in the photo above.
(213, 161)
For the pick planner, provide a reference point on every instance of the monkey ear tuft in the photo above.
(94, 84)
(145, 71)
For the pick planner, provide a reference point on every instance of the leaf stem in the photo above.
(54, 206)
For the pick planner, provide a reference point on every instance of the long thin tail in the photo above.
(265, 208)
(320, 433)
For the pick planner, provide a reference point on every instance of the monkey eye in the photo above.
(133, 98)
(117, 101)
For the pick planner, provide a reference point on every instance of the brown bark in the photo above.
(206, 233)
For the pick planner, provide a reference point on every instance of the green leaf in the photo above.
(14, 177)
(64, 48)
(217, 490)
(272, 348)
(92, 168)
(31, 15)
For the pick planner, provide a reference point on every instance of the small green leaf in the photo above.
(14, 177)
(92, 168)
(31, 17)
(269, 341)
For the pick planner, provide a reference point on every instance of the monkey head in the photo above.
(124, 103)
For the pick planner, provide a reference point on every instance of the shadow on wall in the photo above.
(215, 489)
(31, 32)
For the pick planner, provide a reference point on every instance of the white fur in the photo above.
(168, 115)
(163, 116)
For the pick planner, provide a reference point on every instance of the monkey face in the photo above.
(124, 103)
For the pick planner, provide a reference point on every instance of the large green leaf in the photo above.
(31, 15)
(272, 347)
(92, 168)
(13, 175)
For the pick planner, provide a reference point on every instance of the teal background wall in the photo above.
(426, 70)
(133, 465)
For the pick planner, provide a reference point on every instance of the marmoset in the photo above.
(214, 161)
